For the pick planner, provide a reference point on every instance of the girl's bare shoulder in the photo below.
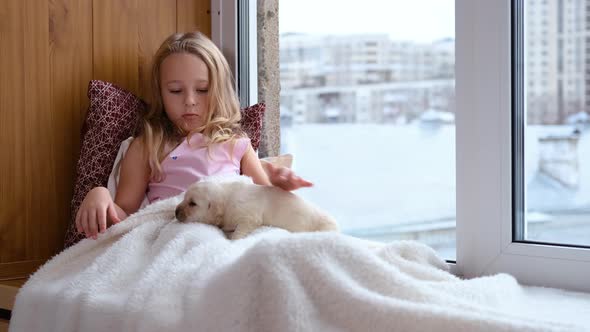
(136, 150)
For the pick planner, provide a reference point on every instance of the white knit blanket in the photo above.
(150, 273)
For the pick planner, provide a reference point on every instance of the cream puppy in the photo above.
(243, 207)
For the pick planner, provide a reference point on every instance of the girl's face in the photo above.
(184, 86)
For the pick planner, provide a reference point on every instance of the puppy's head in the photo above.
(200, 204)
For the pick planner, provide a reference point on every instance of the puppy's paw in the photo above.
(243, 229)
(236, 236)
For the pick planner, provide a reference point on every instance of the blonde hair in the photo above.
(223, 116)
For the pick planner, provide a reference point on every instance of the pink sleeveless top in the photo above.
(188, 164)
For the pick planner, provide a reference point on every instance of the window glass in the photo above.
(557, 139)
(368, 110)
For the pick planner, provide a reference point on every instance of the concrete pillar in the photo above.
(269, 75)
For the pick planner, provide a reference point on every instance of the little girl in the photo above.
(190, 131)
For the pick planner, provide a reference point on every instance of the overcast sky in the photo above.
(418, 20)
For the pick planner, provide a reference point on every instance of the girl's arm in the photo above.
(281, 177)
(133, 180)
(98, 209)
(252, 167)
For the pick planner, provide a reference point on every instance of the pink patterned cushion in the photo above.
(252, 122)
(112, 118)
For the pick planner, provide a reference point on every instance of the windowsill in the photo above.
(8, 291)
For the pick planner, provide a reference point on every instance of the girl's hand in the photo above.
(285, 179)
(92, 215)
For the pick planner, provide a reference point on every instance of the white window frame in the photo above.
(485, 243)
(484, 161)
(224, 29)
(230, 28)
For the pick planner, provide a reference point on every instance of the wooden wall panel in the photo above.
(115, 34)
(39, 180)
(70, 61)
(157, 21)
(126, 35)
(194, 15)
(50, 50)
(12, 127)
(28, 197)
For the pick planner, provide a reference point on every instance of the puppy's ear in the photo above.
(216, 209)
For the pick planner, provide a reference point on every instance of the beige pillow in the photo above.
(284, 160)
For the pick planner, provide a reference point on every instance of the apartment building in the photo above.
(557, 59)
(364, 78)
